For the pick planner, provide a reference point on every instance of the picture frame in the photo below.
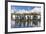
(24, 6)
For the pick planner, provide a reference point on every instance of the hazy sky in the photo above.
(13, 7)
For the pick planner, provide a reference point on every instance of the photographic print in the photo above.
(24, 16)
